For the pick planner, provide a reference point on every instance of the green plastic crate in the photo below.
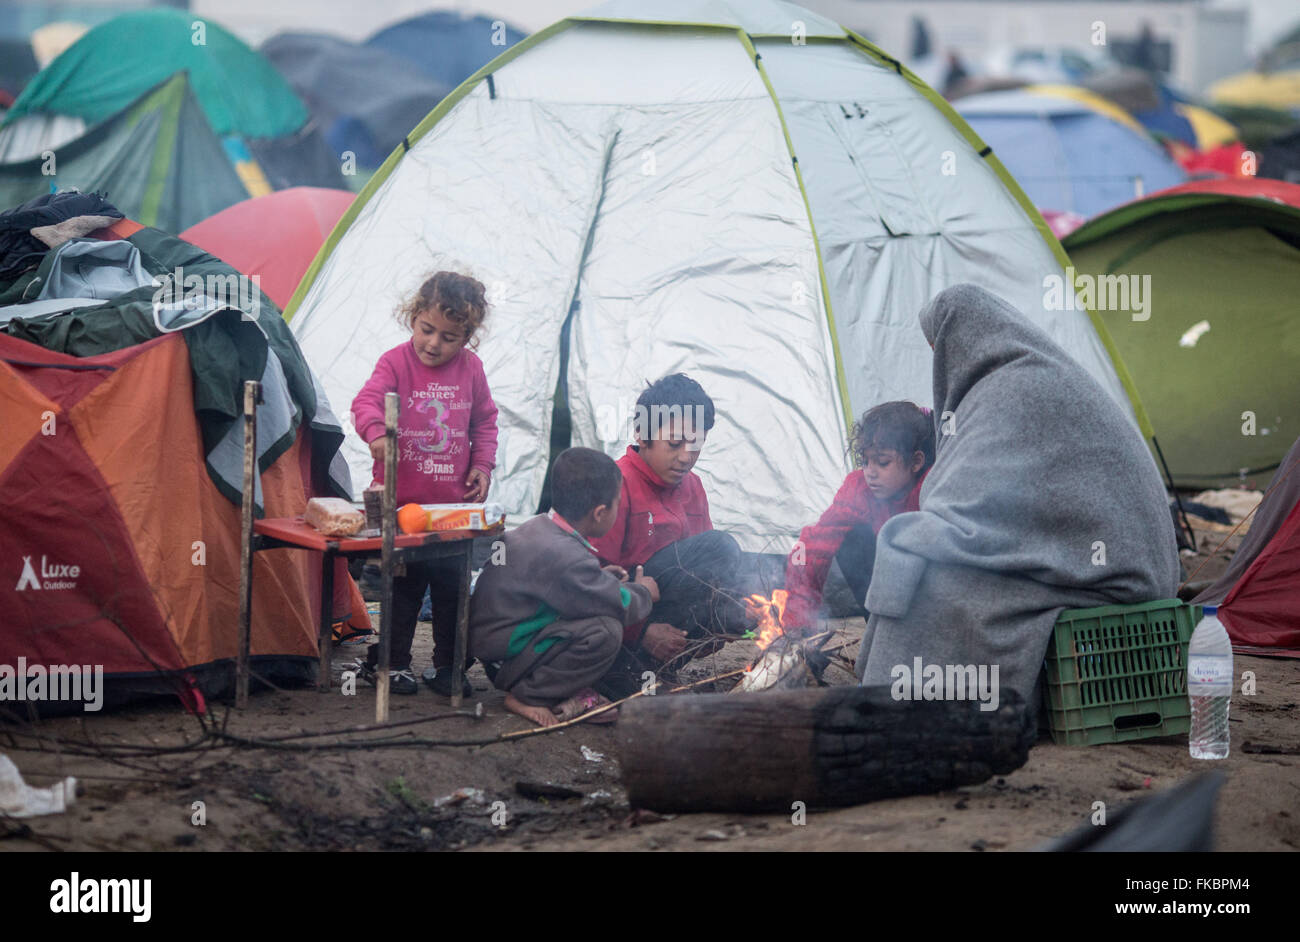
(1119, 672)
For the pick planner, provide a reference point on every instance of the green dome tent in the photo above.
(156, 160)
(743, 191)
(261, 121)
(1214, 356)
(100, 74)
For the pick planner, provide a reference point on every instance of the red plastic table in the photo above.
(294, 533)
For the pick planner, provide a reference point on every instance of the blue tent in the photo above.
(365, 98)
(1067, 154)
(447, 47)
(1151, 102)
(1166, 119)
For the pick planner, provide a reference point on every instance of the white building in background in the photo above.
(255, 21)
(1205, 41)
(1208, 38)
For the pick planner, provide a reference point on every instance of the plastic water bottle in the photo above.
(1209, 685)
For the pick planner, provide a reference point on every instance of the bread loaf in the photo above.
(334, 516)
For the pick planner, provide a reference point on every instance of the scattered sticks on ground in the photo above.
(214, 735)
(1272, 749)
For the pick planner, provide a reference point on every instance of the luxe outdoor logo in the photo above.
(53, 576)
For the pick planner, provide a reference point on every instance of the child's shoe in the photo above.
(403, 682)
(399, 682)
(439, 681)
(346, 637)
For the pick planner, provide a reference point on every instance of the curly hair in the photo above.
(460, 298)
(900, 426)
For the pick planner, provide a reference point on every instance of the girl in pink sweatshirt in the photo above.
(447, 444)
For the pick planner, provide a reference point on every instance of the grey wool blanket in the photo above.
(1043, 497)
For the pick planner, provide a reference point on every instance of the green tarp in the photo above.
(114, 63)
(158, 161)
(226, 349)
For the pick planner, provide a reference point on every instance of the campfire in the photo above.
(782, 661)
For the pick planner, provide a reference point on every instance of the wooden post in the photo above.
(325, 642)
(387, 561)
(837, 746)
(462, 625)
(252, 395)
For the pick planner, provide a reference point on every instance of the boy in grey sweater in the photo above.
(547, 609)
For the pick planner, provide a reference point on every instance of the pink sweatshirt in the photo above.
(447, 423)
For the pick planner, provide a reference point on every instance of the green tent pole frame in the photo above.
(1182, 513)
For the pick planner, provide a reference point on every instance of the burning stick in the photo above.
(782, 662)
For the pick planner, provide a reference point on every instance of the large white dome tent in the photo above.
(742, 191)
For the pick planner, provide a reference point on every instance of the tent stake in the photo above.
(252, 395)
(386, 563)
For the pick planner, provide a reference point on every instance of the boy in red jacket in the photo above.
(893, 448)
(663, 525)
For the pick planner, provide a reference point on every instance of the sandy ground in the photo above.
(397, 797)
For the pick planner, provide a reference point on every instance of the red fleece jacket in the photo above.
(853, 505)
(651, 514)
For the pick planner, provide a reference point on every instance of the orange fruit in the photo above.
(412, 518)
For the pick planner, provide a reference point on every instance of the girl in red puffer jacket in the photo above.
(893, 449)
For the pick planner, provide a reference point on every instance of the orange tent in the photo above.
(106, 499)
(118, 550)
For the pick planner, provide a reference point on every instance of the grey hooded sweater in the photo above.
(1043, 497)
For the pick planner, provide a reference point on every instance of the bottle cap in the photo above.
(1209, 610)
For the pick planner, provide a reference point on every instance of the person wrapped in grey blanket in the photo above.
(1043, 497)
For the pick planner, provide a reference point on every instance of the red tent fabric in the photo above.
(1263, 608)
(1061, 222)
(1259, 593)
(1257, 187)
(1225, 159)
(274, 237)
(117, 549)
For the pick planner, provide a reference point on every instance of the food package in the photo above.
(334, 516)
(420, 518)
(374, 501)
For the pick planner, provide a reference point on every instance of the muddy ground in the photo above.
(403, 797)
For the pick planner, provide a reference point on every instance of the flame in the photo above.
(769, 624)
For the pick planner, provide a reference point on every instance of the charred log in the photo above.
(825, 747)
